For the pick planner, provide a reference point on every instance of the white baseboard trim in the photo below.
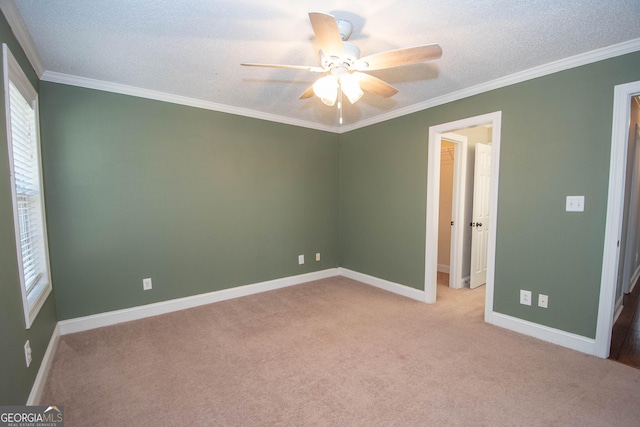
(443, 268)
(545, 333)
(396, 288)
(45, 366)
(634, 280)
(140, 312)
(619, 308)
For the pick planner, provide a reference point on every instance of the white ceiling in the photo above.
(193, 49)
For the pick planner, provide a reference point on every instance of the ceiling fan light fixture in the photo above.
(345, 73)
(351, 87)
(326, 88)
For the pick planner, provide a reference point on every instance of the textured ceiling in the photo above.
(194, 48)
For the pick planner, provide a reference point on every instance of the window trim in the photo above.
(34, 300)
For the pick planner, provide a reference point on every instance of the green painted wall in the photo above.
(197, 200)
(202, 201)
(556, 138)
(16, 379)
(383, 188)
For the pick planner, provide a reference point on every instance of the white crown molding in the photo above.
(532, 73)
(15, 21)
(10, 12)
(68, 79)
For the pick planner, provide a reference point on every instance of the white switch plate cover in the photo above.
(575, 204)
(146, 284)
(543, 301)
(525, 297)
(317, 256)
(300, 259)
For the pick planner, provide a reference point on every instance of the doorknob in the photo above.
(479, 224)
(475, 224)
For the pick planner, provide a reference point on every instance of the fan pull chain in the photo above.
(340, 102)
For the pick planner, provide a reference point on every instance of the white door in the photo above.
(480, 218)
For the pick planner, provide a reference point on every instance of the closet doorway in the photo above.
(461, 256)
(451, 215)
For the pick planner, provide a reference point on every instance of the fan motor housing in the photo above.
(350, 56)
(345, 28)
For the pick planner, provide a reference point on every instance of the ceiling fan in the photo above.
(345, 72)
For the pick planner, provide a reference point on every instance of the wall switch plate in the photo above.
(543, 301)
(525, 297)
(146, 284)
(317, 256)
(575, 204)
(300, 259)
(27, 353)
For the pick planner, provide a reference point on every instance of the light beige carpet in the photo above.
(333, 352)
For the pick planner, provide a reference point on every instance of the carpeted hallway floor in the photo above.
(333, 352)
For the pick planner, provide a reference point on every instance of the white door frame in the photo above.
(457, 208)
(433, 200)
(615, 208)
(632, 220)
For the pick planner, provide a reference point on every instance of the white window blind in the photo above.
(26, 178)
(28, 202)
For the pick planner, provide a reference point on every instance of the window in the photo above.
(21, 105)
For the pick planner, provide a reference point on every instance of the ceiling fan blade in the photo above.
(327, 33)
(398, 57)
(308, 93)
(293, 67)
(375, 85)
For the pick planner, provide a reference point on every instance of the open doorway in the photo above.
(460, 226)
(453, 169)
(463, 213)
(611, 262)
(629, 262)
(448, 154)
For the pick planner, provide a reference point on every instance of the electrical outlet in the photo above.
(317, 256)
(575, 204)
(525, 297)
(146, 284)
(300, 259)
(543, 301)
(27, 353)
